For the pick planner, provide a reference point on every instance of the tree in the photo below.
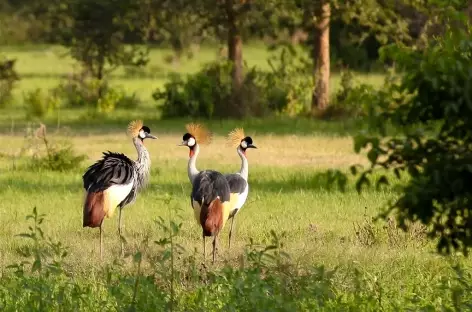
(432, 105)
(174, 22)
(373, 17)
(229, 19)
(96, 36)
(321, 73)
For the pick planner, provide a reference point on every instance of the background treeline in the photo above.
(166, 23)
(318, 36)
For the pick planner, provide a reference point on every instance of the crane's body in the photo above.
(239, 189)
(210, 197)
(109, 183)
(114, 182)
(238, 182)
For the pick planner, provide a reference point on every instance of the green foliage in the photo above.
(8, 78)
(432, 103)
(96, 37)
(56, 157)
(39, 104)
(283, 90)
(352, 100)
(82, 90)
(286, 88)
(203, 94)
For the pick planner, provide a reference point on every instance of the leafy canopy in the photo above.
(432, 105)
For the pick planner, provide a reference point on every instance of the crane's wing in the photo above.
(113, 169)
(208, 185)
(239, 189)
(108, 183)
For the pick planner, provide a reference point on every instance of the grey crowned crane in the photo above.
(238, 182)
(115, 180)
(210, 197)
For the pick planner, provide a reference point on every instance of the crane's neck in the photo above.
(244, 171)
(192, 167)
(143, 164)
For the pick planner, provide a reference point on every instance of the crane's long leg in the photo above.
(119, 232)
(101, 242)
(214, 247)
(231, 230)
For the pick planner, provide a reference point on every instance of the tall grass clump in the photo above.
(53, 156)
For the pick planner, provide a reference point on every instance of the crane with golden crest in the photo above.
(238, 182)
(210, 197)
(115, 180)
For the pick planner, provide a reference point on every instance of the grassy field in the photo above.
(317, 225)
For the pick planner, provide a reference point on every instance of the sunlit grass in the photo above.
(288, 191)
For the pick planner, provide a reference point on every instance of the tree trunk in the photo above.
(469, 11)
(235, 55)
(321, 73)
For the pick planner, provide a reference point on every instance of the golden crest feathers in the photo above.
(235, 137)
(134, 127)
(199, 132)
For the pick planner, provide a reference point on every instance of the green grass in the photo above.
(317, 225)
(288, 195)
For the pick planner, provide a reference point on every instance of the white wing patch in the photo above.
(196, 210)
(114, 195)
(242, 197)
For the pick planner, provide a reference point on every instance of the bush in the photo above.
(39, 104)
(202, 94)
(287, 86)
(207, 93)
(8, 77)
(432, 106)
(81, 90)
(56, 157)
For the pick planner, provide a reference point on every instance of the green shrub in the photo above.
(199, 95)
(287, 86)
(56, 157)
(38, 103)
(81, 90)
(354, 100)
(431, 106)
(8, 77)
(207, 93)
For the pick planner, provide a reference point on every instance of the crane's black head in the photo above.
(246, 143)
(190, 141)
(145, 133)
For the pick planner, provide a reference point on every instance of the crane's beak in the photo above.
(251, 146)
(184, 143)
(150, 136)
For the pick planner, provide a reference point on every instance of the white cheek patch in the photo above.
(243, 144)
(191, 142)
(142, 135)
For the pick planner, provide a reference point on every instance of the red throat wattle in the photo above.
(191, 153)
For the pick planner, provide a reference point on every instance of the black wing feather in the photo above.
(209, 184)
(236, 182)
(113, 168)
